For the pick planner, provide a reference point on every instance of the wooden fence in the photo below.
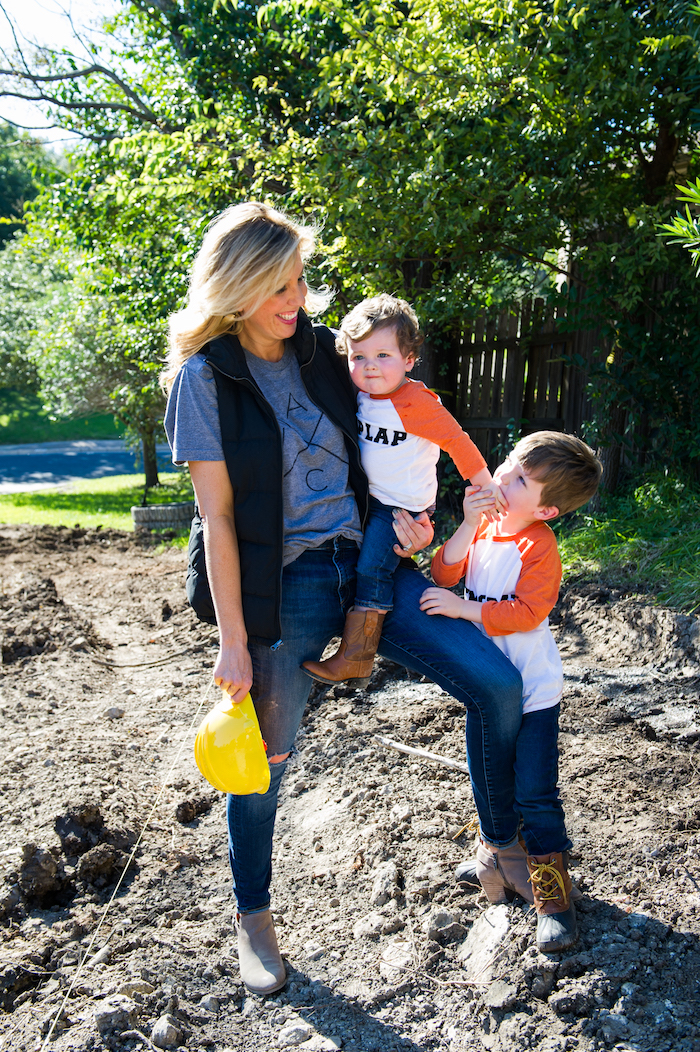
(507, 372)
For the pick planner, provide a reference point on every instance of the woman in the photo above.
(262, 409)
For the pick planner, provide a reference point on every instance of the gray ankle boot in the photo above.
(259, 960)
(503, 872)
(501, 869)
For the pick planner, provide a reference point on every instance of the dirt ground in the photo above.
(105, 675)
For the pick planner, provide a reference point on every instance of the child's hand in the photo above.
(500, 504)
(477, 502)
(441, 601)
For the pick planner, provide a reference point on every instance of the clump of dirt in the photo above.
(35, 621)
(187, 810)
(90, 856)
(42, 880)
(79, 827)
(384, 950)
(101, 865)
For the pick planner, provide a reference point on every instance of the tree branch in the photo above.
(121, 107)
(143, 112)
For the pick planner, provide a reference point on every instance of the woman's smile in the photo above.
(265, 330)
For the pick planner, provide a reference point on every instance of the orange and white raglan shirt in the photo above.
(516, 579)
(401, 435)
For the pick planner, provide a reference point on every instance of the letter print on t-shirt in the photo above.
(318, 502)
(304, 451)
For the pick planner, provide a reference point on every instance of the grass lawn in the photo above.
(92, 502)
(24, 419)
(645, 539)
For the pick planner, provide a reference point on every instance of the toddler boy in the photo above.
(512, 574)
(402, 427)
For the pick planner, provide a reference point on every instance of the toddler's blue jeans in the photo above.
(317, 590)
(377, 562)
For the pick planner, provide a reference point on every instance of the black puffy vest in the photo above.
(252, 445)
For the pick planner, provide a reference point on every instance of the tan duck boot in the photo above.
(557, 929)
(261, 966)
(502, 868)
(354, 659)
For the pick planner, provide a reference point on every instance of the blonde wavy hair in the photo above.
(245, 256)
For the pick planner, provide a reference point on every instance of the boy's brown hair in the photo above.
(567, 467)
(382, 312)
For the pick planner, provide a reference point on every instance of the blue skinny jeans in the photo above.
(536, 775)
(317, 590)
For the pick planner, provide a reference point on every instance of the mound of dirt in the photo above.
(35, 621)
(384, 950)
(79, 827)
(599, 621)
(42, 880)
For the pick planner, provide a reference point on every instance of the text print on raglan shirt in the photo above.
(390, 438)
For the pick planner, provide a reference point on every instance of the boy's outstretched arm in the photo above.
(423, 414)
(453, 558)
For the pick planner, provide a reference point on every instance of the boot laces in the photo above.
(547, 882)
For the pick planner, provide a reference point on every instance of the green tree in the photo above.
(457, 151)
(104, 349)
(32, 288)
(67, 330)
(91, 360)
(24, 167)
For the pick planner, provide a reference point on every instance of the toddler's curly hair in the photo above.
(382, 312)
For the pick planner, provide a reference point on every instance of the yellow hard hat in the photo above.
(229, 749)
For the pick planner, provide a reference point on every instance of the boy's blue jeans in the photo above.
(317, 590)
(377, 562)
(536, 775)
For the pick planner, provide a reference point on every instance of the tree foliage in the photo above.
(458, 152)
(70, 330)
(24, 168)
(684, 227)
(33, 284)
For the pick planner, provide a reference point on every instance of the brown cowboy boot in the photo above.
(557, 929)
(354, 658)
(501, 871)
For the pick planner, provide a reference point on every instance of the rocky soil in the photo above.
(105, 675)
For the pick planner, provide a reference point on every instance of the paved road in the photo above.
(44, 464)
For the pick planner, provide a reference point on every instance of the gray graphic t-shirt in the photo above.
(318, 501)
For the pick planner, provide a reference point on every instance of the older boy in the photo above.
(512, 574)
